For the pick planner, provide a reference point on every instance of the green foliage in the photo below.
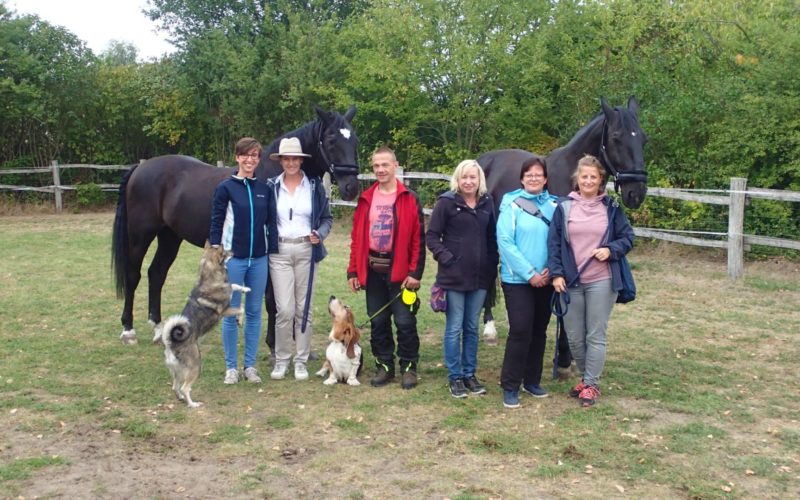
(438, 80)
(89, 195)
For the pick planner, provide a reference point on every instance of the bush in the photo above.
(89, 195)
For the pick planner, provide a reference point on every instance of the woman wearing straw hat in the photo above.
(304, 221)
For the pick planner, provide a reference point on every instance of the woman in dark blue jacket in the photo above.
(243, 221)
(461, 236)
(589, 232)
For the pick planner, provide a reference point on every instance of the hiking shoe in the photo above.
(251, 375)
(382, 377)
(510, 399)
(300, 371)
(279, 372)
(231, 376)
(409, 380)
(589, 395)
(474, 385)
(534, 390)
(575, 391)
(457, 389)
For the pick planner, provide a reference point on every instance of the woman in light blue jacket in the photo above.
(522, 229)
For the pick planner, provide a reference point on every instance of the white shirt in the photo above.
(294, 210)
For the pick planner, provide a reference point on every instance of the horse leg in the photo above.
(133, 270)
(489, 328)
(563, 361)
(272, 311)
(168, 245)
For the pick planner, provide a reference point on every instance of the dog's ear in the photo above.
(349, 342)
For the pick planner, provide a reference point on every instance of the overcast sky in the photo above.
(97, 22)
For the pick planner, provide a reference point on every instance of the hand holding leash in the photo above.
(410, 283)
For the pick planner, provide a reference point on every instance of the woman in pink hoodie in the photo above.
(588, 236)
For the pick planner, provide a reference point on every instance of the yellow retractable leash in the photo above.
(410, 299)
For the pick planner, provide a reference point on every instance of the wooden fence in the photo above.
(736, 198)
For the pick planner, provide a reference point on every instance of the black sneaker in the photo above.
(473, 385)
(382, 376)
(457, 389)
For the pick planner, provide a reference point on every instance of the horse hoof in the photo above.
(128, 337)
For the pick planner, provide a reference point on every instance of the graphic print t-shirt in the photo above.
(381, 222)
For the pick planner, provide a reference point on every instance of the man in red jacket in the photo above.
(387, 254)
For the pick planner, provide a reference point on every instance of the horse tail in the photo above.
(119, 238)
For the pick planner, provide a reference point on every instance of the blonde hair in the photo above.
(590, 161)
(459, 171)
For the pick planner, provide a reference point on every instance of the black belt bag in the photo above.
(380, 262)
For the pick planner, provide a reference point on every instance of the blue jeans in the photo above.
(461, 332)
(251, 273)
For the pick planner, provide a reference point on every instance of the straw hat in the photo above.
(289, 146)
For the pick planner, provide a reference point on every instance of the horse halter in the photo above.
(335, 168)
(627, 176)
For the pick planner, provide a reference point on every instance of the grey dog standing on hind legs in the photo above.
(209, 301)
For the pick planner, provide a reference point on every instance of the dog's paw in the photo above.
(194, 404)
(353, 381)
(329, 381)
(322, 373)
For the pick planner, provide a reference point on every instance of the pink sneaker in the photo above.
(577, 389)
(589, 395)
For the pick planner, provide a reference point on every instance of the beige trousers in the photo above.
(289, 272)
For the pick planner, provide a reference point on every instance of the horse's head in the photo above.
(338, 149)
(622, 151)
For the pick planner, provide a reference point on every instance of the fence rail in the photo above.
(736, 198)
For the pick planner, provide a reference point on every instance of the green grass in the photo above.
(22, 468)
(695, 355)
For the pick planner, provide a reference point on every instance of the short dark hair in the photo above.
(529, 163)
(245, 145)
(382, 150)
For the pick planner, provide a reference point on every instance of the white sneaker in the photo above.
(231, 376)
(300, 371)
(279, 372)
(251, 375)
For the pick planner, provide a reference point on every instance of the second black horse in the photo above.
(613, 135)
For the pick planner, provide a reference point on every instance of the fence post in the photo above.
(56, 185)
(399, 174)
(220, 164)
(736, 227)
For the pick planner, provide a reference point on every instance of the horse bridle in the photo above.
(628, 176)
(334, 168)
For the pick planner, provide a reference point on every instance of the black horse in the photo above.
(614, 136)
(169, 198)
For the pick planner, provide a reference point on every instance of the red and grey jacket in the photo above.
(408, 244)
